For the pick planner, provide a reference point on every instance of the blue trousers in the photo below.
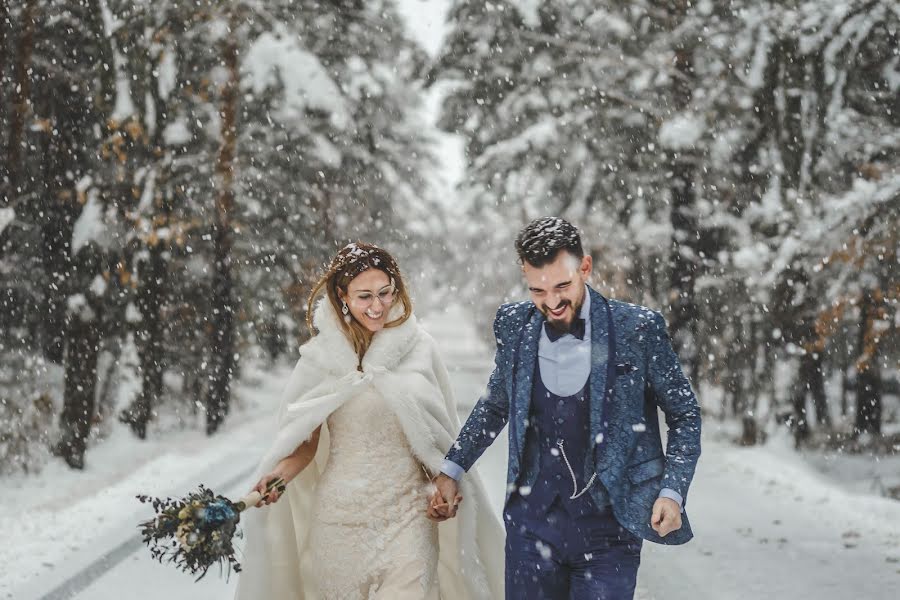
(556, 557)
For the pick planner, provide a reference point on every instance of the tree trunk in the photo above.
(685, 244)
(683, 315)
(684, 254)
(868, 375)
(5, 28)
(868, 401)
(791, 138)
(800, 418)
(21, 92)
(845, 390)
(149, 340)
(107, 374)
(73, 304)
(223, 310)
(747, 395)
(152, 274)
(59, 211)
(80, 388)
(814, 382)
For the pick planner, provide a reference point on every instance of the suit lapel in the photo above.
(526, 364)
(602, 371)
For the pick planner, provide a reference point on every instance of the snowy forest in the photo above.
(176, 174)
(735, 164)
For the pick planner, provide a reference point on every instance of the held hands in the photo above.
(444, 503)
(666, 516)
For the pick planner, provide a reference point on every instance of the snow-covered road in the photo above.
(766, 524)
(768, 527)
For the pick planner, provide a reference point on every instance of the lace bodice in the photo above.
(368, 444)
(370, 507)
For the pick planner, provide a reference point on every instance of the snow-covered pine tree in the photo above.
(69, 96)
(333, 149)
(529, 89)
(321, 145)
(813, 86)
(158, 175)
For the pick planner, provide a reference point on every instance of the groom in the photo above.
(579, 378)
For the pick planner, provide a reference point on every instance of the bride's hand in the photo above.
(439, 510)
(273, 495)
(435, 503)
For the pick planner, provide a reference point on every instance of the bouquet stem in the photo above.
(253, 498)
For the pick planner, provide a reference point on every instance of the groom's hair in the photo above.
(541, 241)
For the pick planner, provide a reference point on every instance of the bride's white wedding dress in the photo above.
(352, 524)
(369, 535)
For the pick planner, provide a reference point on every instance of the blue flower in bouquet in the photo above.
(216, 513)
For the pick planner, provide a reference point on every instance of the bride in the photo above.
(364, 422)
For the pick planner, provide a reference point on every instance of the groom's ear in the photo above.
(587, 265)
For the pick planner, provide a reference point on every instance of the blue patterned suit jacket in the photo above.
(625, 437)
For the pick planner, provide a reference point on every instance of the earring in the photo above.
(346, 311)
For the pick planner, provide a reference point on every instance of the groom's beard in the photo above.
(561, 326)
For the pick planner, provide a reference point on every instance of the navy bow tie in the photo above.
(554, 334)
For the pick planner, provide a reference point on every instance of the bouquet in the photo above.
(196, 532)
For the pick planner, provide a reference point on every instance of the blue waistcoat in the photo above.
(557, 419)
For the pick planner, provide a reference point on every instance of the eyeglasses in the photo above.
(365, 299)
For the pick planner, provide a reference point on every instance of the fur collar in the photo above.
(332, 350)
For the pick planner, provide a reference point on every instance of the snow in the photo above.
(602, 20)
(327, 152)
(426, 21)
(891, 73)
(148, 193)
(528, 10)
(89, 227)
(77, 304)
(177, 132)
(532, 138)
(751, 259)
(307, 83)
(124, 106)
(168, 73)
(654, 234)
(767, 525)
(682, 132)
(7, 216)
(767, 522)
(756, 74)
(98, 285)
(69, 512)
(582, 126)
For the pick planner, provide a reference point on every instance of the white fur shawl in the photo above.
(403, 365)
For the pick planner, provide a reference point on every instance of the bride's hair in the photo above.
(352, 260)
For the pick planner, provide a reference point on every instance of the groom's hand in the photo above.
(445, 501)
(438, 510)
(666, 516)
